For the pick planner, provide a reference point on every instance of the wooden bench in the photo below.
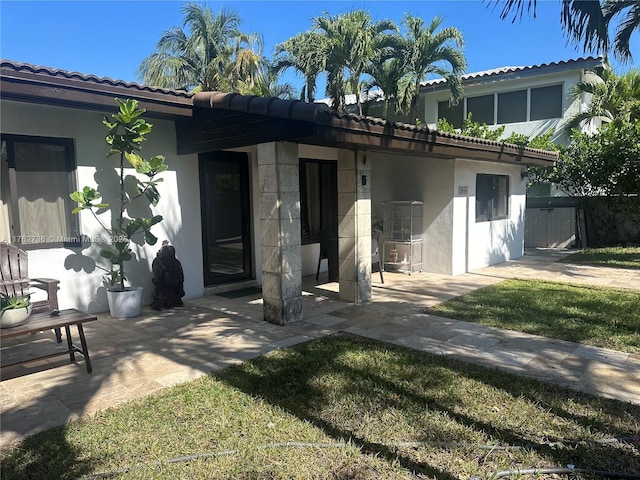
(43, 321)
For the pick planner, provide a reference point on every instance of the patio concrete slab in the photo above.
(133, 358)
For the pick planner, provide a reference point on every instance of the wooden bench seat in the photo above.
(43, 321)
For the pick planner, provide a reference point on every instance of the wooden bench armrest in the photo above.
(51, 287)
(46, 281)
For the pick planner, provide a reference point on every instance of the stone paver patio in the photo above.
(135, 357)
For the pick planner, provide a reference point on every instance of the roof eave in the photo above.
(27, 86)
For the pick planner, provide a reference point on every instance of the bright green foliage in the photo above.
(358, 54)
(14, 302)
(606, 163)
(350, 42)
(602, 317)
(301, 52)
(541, 142)
(126, 132)
(613, 98)
(472, 129)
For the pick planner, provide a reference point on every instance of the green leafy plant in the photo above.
(471, 128)
(125, 133)
(14, 302)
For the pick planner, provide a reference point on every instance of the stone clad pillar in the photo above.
(278, 174)
(354, 226)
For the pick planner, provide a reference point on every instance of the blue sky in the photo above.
(110, 39)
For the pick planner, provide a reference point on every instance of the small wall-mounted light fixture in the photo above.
(524, 174)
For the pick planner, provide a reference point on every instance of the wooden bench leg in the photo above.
(72, 353)
(85, 349)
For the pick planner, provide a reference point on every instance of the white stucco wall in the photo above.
(81, 284)
(454, 242)
(480, 244)
(429, 180)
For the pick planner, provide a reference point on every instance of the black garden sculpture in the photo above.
(168, 279)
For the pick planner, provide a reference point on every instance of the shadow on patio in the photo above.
(135, 357)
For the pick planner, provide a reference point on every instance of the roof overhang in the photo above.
(223, 120)
(210, 121)
(28, 83)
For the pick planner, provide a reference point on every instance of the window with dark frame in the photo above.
(452, 114)
(318, 198)
(492, 197)
(512, 107)
(481, 109)
(36, 176)
(546, 102)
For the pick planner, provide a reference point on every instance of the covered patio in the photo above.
(136, 357)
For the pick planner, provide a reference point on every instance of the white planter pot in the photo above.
(13, 318)
(125, 304)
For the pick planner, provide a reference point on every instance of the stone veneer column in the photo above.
(354, 226)
(281, 238)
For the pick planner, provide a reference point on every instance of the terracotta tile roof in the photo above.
(58, 73)
(584, 62)
(291, 109)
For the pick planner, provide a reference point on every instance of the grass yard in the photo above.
(356, 409)
(602, 317)
(618, 257)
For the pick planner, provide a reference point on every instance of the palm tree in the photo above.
(352, 41)
(614, 98)
(212, 54)
(427, 52)
(266, 85)
(627, 26)
(587, 22)
(387, 75)
(301, 53)
(249, 66)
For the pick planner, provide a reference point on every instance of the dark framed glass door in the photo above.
(226, 216)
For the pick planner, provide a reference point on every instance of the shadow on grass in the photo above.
(349, 400)
(45, 455)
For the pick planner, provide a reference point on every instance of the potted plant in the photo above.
(125, 133)
(14, 310)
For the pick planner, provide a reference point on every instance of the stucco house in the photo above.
(252, 183)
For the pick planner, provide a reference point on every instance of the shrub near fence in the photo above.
(611, 221)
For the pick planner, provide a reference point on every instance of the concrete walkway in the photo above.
(135, 357)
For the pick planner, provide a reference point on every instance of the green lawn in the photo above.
(597, 316)
(357, 409)
(618, 257)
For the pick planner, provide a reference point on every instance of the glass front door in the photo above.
(226, 217)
